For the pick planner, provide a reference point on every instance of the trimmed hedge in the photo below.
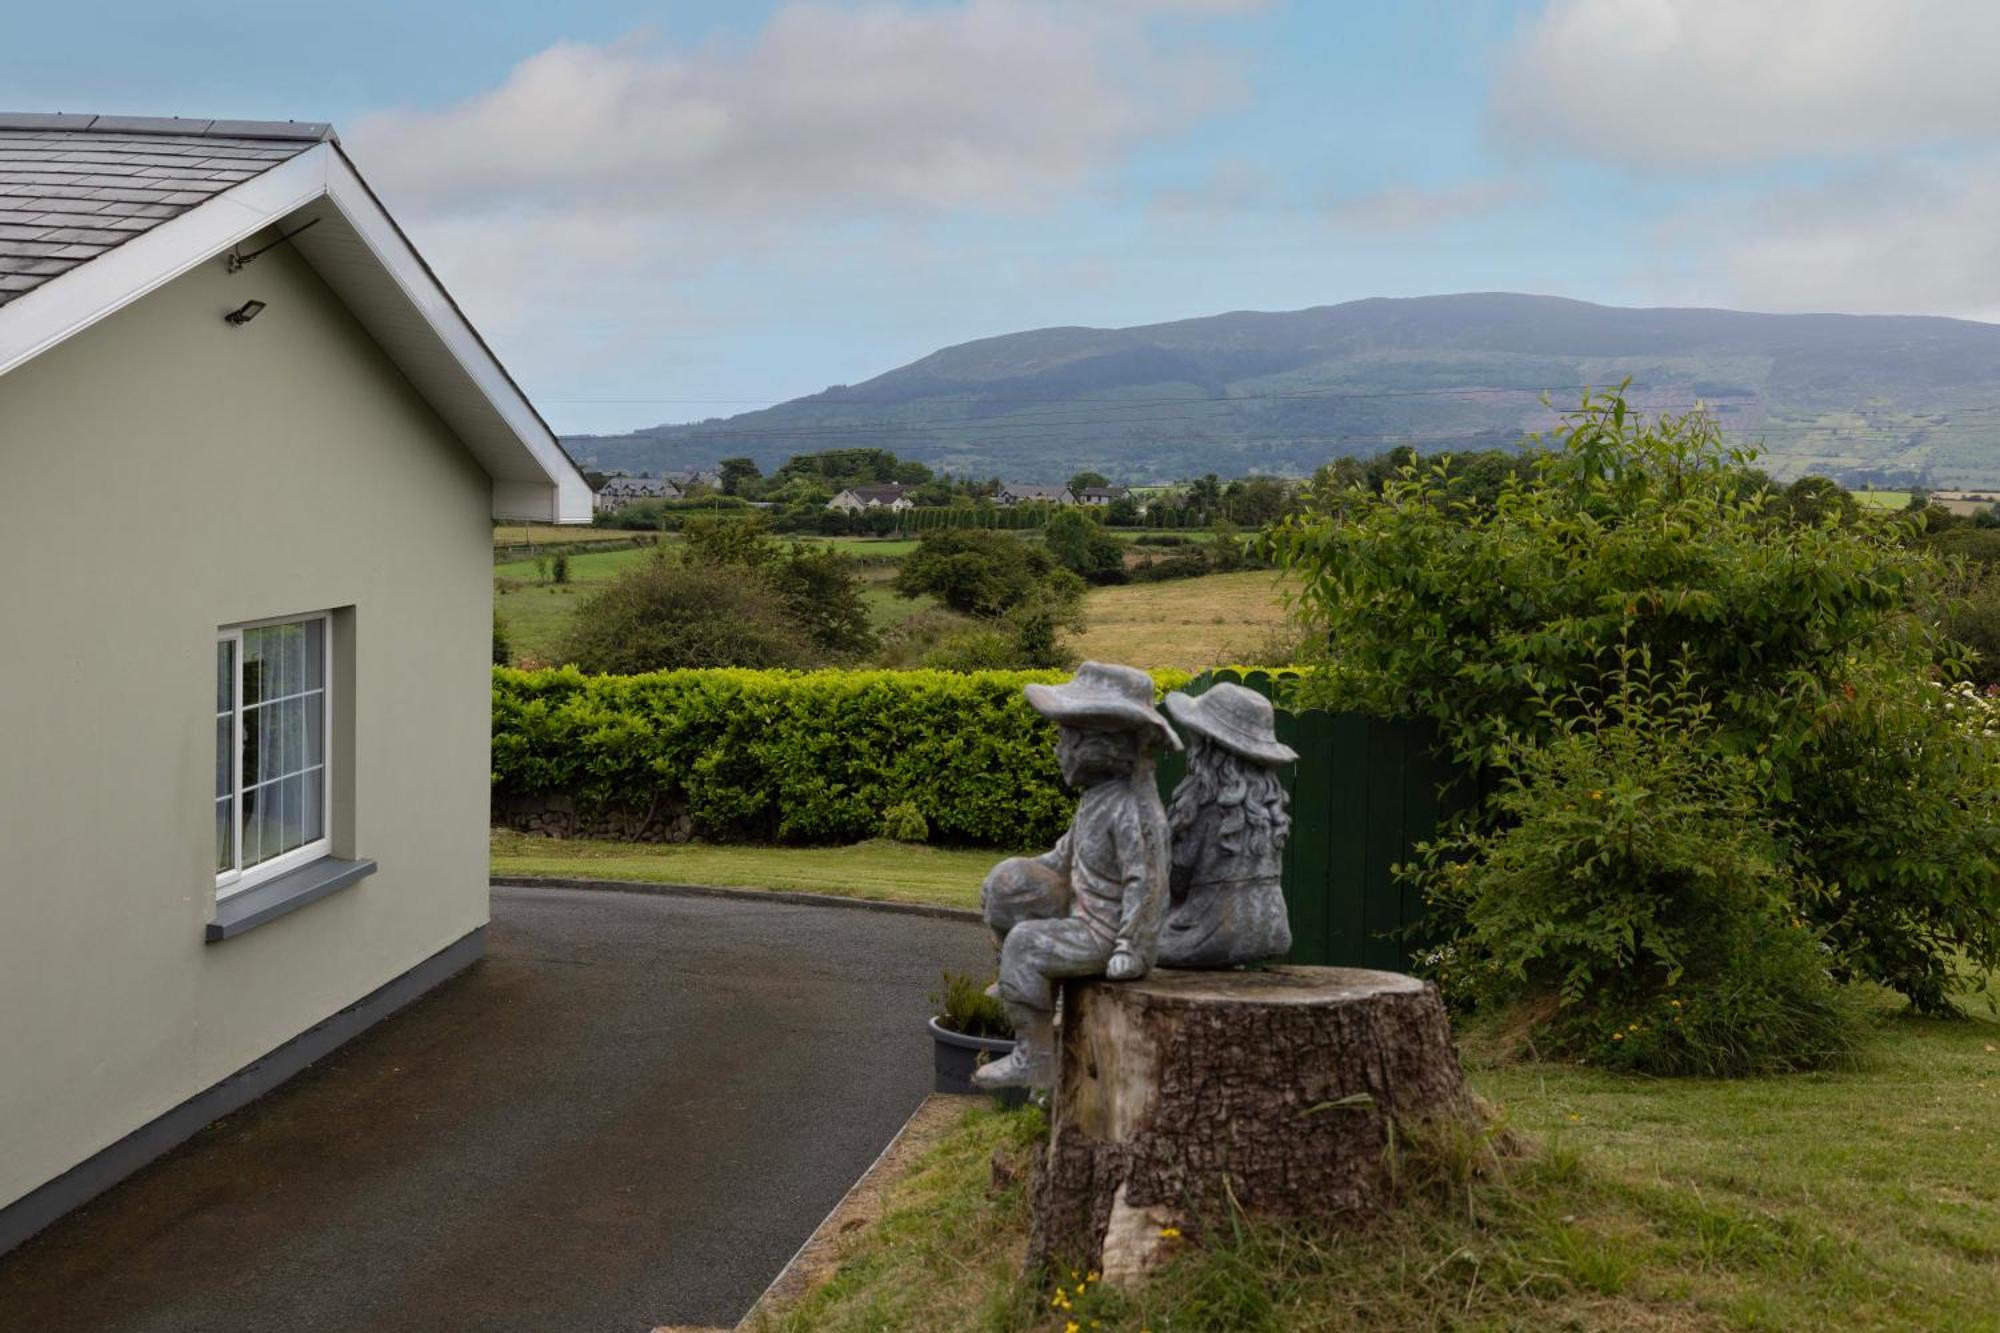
(788, 756)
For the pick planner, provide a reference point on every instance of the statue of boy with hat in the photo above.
(1229, 822)
(1093, 906)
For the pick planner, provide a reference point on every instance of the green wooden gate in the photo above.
(1365, 792)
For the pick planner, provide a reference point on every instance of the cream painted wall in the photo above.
(163, 474)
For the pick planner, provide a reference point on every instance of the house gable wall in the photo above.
(233, 474)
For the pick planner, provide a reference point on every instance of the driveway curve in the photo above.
(629, 1114)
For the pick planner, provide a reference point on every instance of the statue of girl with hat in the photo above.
(1093, 906)
(1229, 822)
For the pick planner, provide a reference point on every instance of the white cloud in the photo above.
(1400, 209)
(1904, 239)
(994, 105)
(1697, 84)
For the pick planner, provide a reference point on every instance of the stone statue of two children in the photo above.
(1136, 882)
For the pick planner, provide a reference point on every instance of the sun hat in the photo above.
(1103, 696)
(1239, 720)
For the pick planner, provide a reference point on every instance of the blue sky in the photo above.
(673, 210)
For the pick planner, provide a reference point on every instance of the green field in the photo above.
(1882, 499)
(537, 614)
(1188, 623)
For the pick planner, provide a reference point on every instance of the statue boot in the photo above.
(1032, 1062)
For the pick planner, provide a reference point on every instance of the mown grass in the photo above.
(1186, 623)
(885, 871)
(1864, 1199)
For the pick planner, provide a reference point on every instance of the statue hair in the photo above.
(1247, 794)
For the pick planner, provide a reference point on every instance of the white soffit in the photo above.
(365, 258)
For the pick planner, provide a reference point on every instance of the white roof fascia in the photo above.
(572, 499)
(70, 303)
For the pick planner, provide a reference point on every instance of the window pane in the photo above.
(312, 655)
(253, 826)
(224, 725)
(225, 674)
(225, 835)
(315, 711)
(313, 824)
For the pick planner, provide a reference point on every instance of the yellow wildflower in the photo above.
(1170, 1233)
(1617, 1036)
(1072, 1327)
(1092, 1277)
(1596, 795)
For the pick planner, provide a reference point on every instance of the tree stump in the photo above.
(1186, 1093)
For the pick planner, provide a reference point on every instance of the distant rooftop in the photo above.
(75, 186)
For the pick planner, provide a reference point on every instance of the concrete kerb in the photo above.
(792, 897)
(864, 1204)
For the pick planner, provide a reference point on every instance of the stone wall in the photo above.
(559, 816)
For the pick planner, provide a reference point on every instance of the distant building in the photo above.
(857, 499)
(1022, 492)
(1103, 495)
(617, 492)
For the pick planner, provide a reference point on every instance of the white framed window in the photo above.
(273, 715)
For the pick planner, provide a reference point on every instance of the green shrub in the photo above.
(978, 573)
(790, 756)
(664, 616)
(1635, 900)
(963, 1006)
(503, 647)
(559, 567)
(1817, 644)
(1084, 548)
(904, 822)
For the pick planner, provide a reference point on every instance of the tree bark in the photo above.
(1184, 1094)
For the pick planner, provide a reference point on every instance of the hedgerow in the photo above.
(786, 756)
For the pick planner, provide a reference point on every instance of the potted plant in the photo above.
(970, 1028)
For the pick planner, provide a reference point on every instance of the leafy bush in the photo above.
(788, 756)
(963, 1006)
(904, 822)
(1814, 642)
(559, 567)
(503, 647)
(1083, 548)
(664, 616)
(1634, 896)
(979, 573)
(817, 585)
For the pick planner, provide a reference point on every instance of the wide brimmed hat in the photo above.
(1239, 720)
(1102, 696)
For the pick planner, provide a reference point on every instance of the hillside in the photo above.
(1890, 400)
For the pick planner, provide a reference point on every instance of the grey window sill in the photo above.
(287, 893)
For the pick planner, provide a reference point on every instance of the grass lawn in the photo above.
(1188, 623)
(1861, 1199)
(896, 872)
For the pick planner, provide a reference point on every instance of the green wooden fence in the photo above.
(1365, 792)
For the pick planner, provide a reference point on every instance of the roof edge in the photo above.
(297, 131)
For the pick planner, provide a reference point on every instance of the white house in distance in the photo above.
(1022, 492)
(1100, 497)
(855, 499)
(617, 492)
(243, 743)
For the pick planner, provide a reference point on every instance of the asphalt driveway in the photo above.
(630, 1114)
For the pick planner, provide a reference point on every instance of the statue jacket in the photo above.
(1116, 859)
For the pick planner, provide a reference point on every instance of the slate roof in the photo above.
(73, 187)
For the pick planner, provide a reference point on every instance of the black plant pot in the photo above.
(954, 1056)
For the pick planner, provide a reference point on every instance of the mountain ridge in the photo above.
(1889, 399)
